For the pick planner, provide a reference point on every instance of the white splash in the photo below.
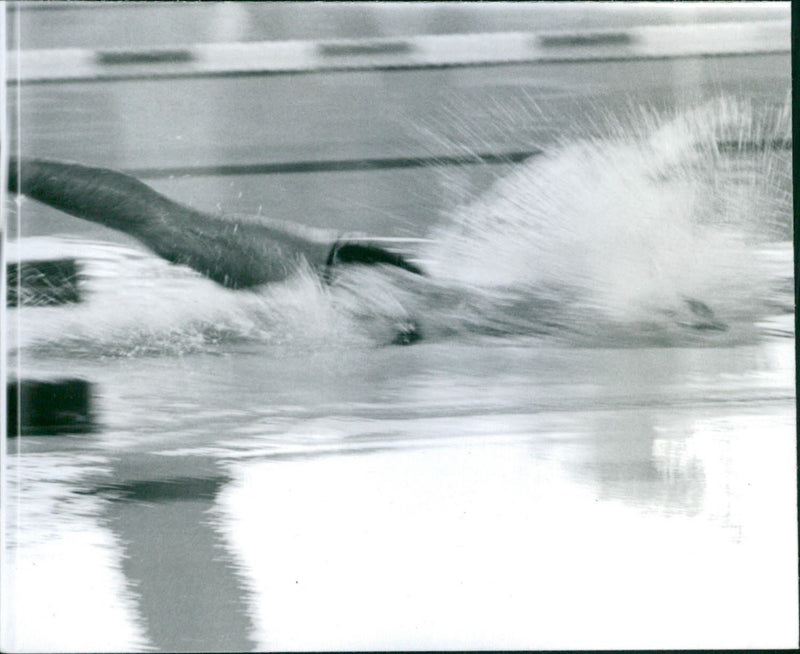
(664, 231)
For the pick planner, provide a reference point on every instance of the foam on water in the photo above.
(633, 236)
(670, 230)
(136, 304)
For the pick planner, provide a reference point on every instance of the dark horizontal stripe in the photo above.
(389, 163)
(384, 47)
(616, 38)
(386, 68)
(337, 165)
(755, 146)
(116, 57)
(160, 490)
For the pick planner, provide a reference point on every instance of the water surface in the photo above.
(591, 447)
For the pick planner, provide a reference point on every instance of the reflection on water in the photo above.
(485, 545)
(187, 589)
(63, 566)
(438, 497)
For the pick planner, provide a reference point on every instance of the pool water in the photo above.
(591, 446)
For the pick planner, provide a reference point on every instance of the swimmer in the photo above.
(238, 253)
(235, 252)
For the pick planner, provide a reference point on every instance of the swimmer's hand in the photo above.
(366, 252)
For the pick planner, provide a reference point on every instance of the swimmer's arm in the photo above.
(234, 253)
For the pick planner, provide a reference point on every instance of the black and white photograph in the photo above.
(396, 326)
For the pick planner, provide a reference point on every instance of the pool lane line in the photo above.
(394, 163)
(334, 165)
(393, 54)
(389, 68)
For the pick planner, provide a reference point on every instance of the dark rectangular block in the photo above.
(600, 38)
(61, 406)
(381, 47)
(121, 57)
(42, 283)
